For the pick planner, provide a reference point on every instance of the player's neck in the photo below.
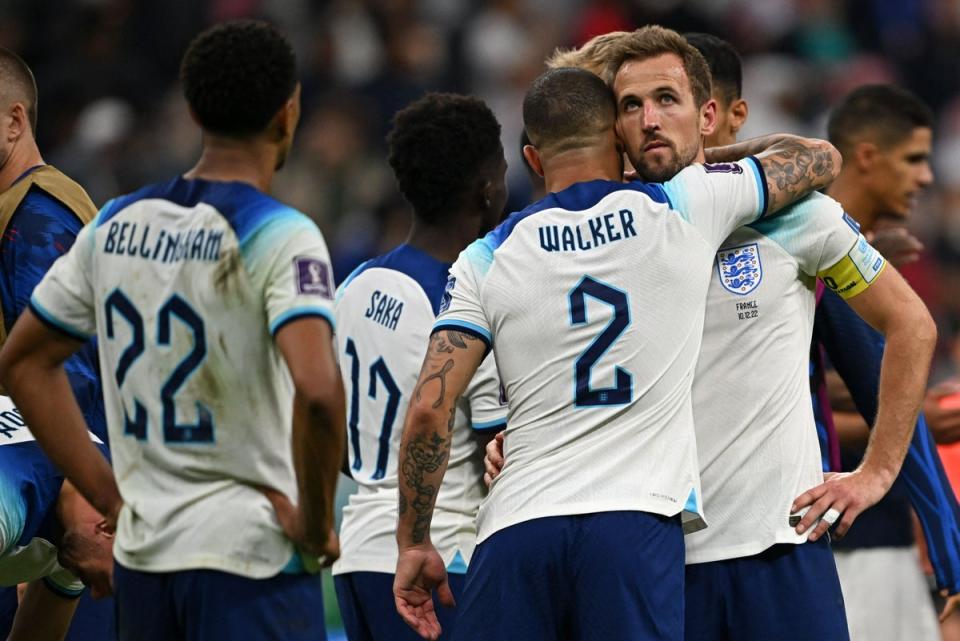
(22, 157)
(226, 160)
(442, 242)
(855, 200)
(580, 165)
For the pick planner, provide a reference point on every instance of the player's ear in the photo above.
(865, 156)
(19, 121)
(708, 117)
(533, 158)
(289, 115)
(738, 114)
(486, 194)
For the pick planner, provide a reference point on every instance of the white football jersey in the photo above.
(593, 301)
(384, 313)
(756, 437)
(185, 283)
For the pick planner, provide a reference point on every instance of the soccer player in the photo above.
(754, 462)
(602, 468)
(212, 302)
(885, 134)
(49, 538)
(923, 479)
(41, 212)
(446, 154)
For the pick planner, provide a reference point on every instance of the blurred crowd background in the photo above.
(112, 117)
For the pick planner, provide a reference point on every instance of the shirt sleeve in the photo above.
(64, 583)
(299, 278)
(855, 270)
(718, 198)
(488, 401)
(64, 299)
(825, 242)
(460, 307)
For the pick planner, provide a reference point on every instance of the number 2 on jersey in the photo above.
(379, 371)
(622, 391)
(175, 307)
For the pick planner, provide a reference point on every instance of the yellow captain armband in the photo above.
(854, 273)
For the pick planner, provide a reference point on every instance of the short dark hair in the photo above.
(726, 67)
(237, 75)
(437, 147)
(884, 114)
(567, 108)
(15, 73)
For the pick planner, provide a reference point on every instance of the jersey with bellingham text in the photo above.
(593, 302)
(185, 284)
(384, 313)
(756, 437)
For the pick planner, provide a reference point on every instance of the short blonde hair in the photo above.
(653, 40)
(594, 56)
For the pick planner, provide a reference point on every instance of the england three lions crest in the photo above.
(740, 268)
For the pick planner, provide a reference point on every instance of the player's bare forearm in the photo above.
(893, 309)
(319, 415)
(743, 148)
(31, 370)
(794, 166)
(891, 306)
(452, 359)
(318, 438)
(42, 615)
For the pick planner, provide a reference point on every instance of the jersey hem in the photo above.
(484, 532)
(729, 552)
(205, 562)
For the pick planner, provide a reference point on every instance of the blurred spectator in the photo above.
(113, 118)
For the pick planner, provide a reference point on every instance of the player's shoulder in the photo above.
(244, 207)
(578, 197)
(404, 268)
(813, 215)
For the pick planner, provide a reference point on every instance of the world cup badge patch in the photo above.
(740, 268)
(313, 277)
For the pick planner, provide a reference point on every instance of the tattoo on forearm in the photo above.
(794, 169)
(440, 375)
(423, 455)
(444, 342)
(459, 339)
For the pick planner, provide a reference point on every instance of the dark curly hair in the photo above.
(237, 75)
(437, 147)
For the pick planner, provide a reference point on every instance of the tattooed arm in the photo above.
(794, 166)
(452, 359)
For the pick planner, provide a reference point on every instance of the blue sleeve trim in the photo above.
(55, 323)
(302, 312)
(490, 427)
(464, 326)
(61, 591)
(761, 179)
